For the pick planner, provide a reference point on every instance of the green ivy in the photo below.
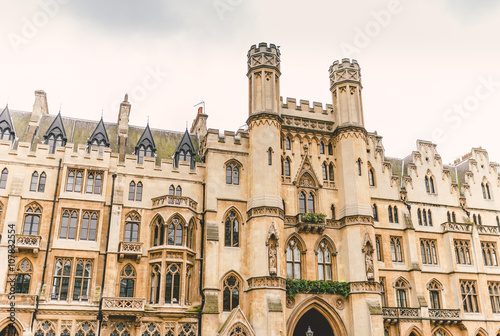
(294, 287)
(311, 217)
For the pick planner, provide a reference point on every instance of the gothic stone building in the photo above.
(125, 231)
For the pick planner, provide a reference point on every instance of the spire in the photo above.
(7, 131)
(99, 135)
(146, 139)
(56, 128)
(185, 150)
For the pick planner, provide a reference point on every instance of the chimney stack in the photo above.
(40, 107)
(123, 118)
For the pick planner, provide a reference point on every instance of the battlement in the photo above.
(346, 63)
(264, 56)
(263, 47)
(304, 105)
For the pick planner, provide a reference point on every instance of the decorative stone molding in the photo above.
(456, 227)
(290, 302)
(121, 303)
(265, 211)
(349, 131)
(267, 282)
(393, 315)
(263, 56)
(171, 200)
(264, 118)
(27, 242)
(444, 314)
(487, 229)
(307, 124)
(364, 287)
(340, 304)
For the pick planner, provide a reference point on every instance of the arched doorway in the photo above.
(9, 330)
(316, 321)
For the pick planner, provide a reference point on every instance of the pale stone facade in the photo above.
(124, 230)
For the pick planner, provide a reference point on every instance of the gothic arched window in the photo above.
(331, 176)
(232, 173)
(287, 143)
(175, 232)
(32, 220)
(324, 171)
(321, 148)
(324, 261)
(132, 228)
(24, 271)
(3, 178)
(172, 283)
(435, 289)
(287, 167)
(230, 293)
(371, 177)
(375, 212)
(401, 287)
(232, 230)
(131, 191)
(83, 274)
(127, 281)
(293, 262)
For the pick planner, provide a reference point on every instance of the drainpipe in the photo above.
(48, 245)
(202, 248)
(99, 314)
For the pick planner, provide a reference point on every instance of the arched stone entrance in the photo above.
(314, 321)
(319, 315)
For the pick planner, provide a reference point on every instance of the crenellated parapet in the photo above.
(344, 71)
(305, 106)
(263, 56)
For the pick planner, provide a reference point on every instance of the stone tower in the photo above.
(265, 206)
(358, 236)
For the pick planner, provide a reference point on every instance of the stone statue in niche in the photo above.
(273, 262)
(370, 270)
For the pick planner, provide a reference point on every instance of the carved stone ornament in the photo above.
(368, 251)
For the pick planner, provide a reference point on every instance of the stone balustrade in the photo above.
(487, 229)
(445, 316)
(456, 227)
(393, 314)
(123, 304)
(171, 200)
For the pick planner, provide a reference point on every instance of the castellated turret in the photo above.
(264, 75)
(345, 85)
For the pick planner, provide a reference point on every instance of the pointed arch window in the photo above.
(232, 173)
(431, 180)
(330, 149)
(172, 283)
(427, 186)
(469, 296)
(453, 217)
(34, 181)
(419, 215)
(494, 291)
(429, 217)
(288, 144)
(324, 261)
(287, 167)
(158, 232)
(401, 287)
(45, 328)
(81, 288)
(32, 220)
(331, 175)
(479, 220)
(378, 247)
(230, 293)
(424, 215)
(321, 148)
(154, 294)
(127, 281)
(428, 251)
(135, 192)
(3, 178)
(232, 230)
(371, 177)
(171, 190)
(302, 202)
(375, 212)
(435, 289)
(54, 141)
(310, 202)
(448, 216)
(324, 170)
(60, 283)
(68, 224)
(488, 194)
(175, 232)
(5, 134)
(489, 252)
(389, 211)
(396, 249)
(359, 167)
(24, 271)
(178, 191)
(270, 156)
(132, 228)
(293, 262)
(88, 226)
(396, 215)
(462, 252)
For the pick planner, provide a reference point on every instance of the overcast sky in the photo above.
(430, 68)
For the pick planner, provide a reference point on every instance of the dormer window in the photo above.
(144, 151)
(99, 138)
(145, 146)
(55, 136)
(185, 151)
(6, 126)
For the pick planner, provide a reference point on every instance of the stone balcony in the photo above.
(307, 226)
(444, 316)
(130, 250)
(456, 227)
(27, 242)
(122, 305)
(393, 314)
(487, 229)
(171, 200)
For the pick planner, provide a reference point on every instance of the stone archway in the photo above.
(314, 321)
(9, 330)
(319, 315)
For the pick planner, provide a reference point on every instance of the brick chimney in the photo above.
(40, 107)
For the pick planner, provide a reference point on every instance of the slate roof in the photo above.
(146, 139)
(6, 121)
(56, 128)
(99, 134)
